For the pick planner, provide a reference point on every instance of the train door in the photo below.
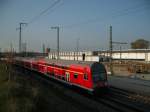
(45, 69)
(67, 76)
(77, 78)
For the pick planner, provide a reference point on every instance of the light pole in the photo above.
(57, 28)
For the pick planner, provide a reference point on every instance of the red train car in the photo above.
(90, 76)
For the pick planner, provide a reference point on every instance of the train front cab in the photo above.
(99, 78)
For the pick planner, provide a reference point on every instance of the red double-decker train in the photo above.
(91, 76)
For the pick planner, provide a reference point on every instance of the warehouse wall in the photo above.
(90, 57)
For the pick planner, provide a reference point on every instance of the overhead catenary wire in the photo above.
(124, 12)
(45, 11)
(38, 16)
(51, 8)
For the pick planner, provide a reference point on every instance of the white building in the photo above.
(131, 54)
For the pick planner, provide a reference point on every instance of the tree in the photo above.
(140, 44)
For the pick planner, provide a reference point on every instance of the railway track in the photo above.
(77, 99)
(123, 99)
(131, 95)
(117, 99)
(119, 103)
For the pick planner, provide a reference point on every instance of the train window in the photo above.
(75, 75)
(86, 76)
(63, 78)
(59, 76)
(98, 72)
(48, 73)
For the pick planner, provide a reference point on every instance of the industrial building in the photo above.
(130, 54)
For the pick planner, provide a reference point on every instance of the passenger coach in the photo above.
(90, 76)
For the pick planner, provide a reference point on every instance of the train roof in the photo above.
(69, 62)
(59, 62)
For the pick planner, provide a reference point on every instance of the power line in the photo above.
(34, 19)
(44, 11)
(123, 12)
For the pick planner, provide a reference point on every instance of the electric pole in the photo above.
(0, 54)
(44, 51)
(57, 28)
(20, 39)
(120, 53)
(77, 47)
(111, 49)
(120, 43)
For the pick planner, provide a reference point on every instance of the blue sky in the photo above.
(86, 20)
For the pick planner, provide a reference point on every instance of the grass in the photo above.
(17, 93)
(3, 87)
(20, 92)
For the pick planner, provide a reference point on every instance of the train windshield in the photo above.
(98, 72)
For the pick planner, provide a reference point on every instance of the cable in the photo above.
(124, 12)
(44, 11)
